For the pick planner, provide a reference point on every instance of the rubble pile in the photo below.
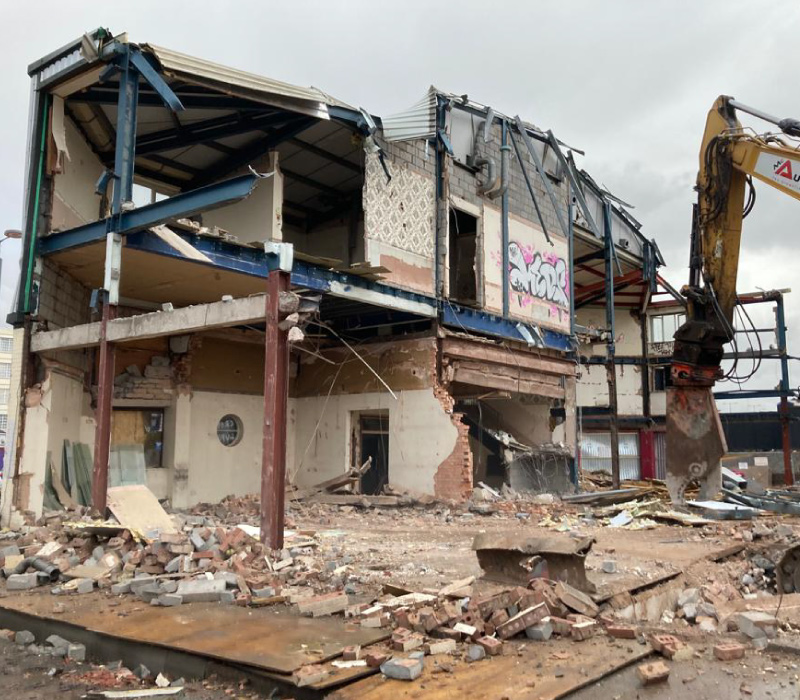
(200, 561)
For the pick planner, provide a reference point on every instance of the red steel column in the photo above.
(647, 454)
(276, 389)
(102, 431)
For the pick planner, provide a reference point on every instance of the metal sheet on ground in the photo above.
(278, 641)
(542, 670)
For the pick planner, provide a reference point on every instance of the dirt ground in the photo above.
(426, 548)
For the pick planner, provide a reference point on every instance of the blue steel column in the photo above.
(123, 192)
(571, 268)
(788, 474)
(504, 215)
(611, 371)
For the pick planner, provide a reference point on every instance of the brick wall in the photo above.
(453, 479)
(464, 183)
(63, 301)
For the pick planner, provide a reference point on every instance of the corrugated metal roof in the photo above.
(243, 84)
(416, 122)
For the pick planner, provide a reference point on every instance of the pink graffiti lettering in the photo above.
(544, 277)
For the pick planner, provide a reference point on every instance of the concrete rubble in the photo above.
(215, 557)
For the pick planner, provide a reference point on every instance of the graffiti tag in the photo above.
(539, 275)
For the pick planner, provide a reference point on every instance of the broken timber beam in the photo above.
(201, 317)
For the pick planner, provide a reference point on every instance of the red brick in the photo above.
(653, 672)
(376, 659)
(621, 631)
(728, 651)
(352, 653)
(526, 618)
(491, 645)
(584, 630)
(666, 644)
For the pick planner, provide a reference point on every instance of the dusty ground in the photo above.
(430, 547)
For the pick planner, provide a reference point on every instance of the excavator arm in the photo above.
(730, 158)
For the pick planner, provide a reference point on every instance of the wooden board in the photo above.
(138, 509)
(541, 670)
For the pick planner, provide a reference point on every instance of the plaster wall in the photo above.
(421, 436)
(592, 387)
(259, 217)
(74, 200)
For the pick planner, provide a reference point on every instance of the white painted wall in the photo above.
(75, 201)
(215, 470)
(421, 436)
(46, 429)
(259, 217)
(592, 387)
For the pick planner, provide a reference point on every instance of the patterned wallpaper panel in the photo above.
(401, 213)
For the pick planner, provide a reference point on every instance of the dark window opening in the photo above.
(372, 440)
(661, 378)
(463, 257)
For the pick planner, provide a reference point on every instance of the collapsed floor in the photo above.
(404, 582)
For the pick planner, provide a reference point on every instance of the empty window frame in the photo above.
(660, 378)
(663, 327)
(463, 251)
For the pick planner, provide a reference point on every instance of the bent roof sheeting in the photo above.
(309, 101)
(416, 122)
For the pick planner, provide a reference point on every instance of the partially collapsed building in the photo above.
(221, 271)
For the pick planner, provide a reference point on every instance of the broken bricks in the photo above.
(729, 651)
(653, 672)
(527, 618)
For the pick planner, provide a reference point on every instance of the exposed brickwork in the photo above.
(63, 301)
(464, 183)
(453, 479)
(156, 384)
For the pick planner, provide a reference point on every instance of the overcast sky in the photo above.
(629, 82)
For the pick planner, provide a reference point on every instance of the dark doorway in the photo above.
(463, 257)
(373, 441)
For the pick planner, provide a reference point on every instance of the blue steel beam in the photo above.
(251, 261)
(482, 322)
(155, 80)
(180, 206)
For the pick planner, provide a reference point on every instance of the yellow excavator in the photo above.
(731, 157)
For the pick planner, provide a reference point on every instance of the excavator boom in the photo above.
(730, 158)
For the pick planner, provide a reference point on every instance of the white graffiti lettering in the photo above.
(540, 278)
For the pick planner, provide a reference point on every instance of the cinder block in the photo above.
(402, 669)
(200, 590)
(22, 582)
(443, 646)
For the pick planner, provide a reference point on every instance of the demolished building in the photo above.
(435, 269)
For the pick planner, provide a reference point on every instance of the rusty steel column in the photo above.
(102, 431)
(276, 389)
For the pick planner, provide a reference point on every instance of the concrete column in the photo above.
(178, 424)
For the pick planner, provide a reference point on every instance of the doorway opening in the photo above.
(371, 433)
(463, 230)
